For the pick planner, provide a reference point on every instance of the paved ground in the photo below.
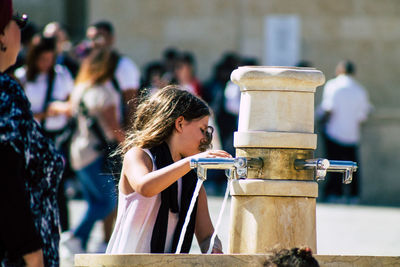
(341, 229)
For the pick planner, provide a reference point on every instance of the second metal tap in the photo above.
(322, 166)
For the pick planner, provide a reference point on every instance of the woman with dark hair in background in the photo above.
(30, 166)
(45, 81)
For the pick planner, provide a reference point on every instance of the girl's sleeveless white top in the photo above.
(135, 221)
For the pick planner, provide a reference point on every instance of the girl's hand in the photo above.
(212, 154)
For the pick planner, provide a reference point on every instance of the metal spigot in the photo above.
(236, 167)
(322, 166)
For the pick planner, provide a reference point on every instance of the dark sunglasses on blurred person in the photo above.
(21, 20)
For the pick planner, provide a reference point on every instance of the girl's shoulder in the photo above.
(138, 154)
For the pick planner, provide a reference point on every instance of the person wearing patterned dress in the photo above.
(30, 166)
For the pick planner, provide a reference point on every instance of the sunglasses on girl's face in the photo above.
(21, 20)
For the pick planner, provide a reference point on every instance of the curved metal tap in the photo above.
(322, 166)
(236, 167)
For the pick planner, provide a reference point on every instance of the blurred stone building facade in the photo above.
(364, 31)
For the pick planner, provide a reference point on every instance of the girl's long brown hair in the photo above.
(155, 117)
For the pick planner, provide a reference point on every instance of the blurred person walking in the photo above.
(125, 81)
(95, 104)
(30, 166)
(126, 78)
(44, 82)
(344, 107)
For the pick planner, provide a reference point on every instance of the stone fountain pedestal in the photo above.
(275, 207)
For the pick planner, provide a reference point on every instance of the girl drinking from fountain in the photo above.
(157, 184)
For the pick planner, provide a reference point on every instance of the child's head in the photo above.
(158, 117)
(295, 257)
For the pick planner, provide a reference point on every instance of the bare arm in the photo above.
(137, 171)
(139, 177)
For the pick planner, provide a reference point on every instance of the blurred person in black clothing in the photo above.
(126, 82)
(30, 166)
(126, 78)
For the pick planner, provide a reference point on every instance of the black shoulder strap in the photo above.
(93, 125)
(49, 92)
(115, 84)
(115, 59)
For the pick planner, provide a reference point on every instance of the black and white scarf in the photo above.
(169, 201)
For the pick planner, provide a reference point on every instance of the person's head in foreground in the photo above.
(295, 257)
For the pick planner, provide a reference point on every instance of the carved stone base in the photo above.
(227, 260)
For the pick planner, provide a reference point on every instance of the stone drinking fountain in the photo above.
(272, 179)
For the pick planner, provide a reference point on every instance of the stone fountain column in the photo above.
(275, 208)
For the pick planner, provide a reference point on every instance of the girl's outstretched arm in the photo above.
(139, 177)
